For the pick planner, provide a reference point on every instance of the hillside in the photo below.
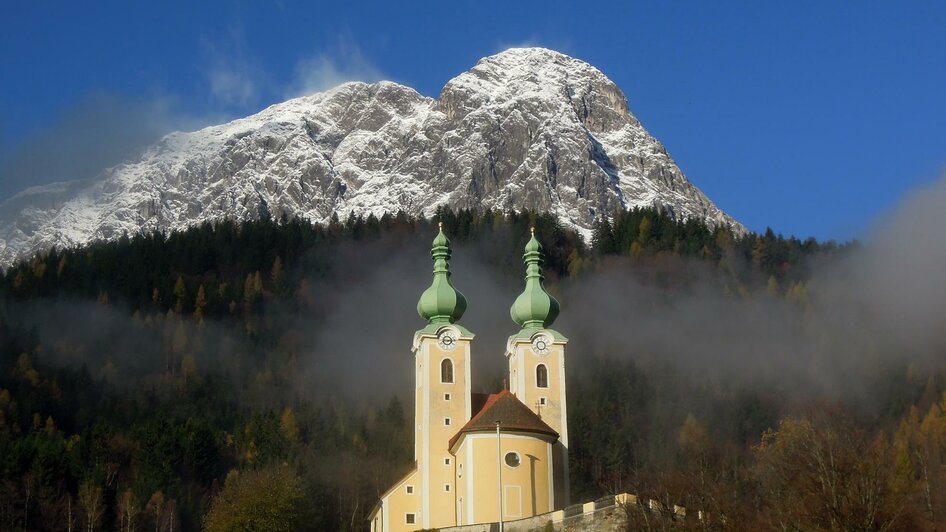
(135, 374)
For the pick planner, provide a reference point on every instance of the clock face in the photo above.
(541, 345)
(447, 340)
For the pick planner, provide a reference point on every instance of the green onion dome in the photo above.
(534, 308)
(441, 303)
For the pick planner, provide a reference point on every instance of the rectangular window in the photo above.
(410, 490)
(446, 421)
(446, 397)
(446, 487)
(542, 401)
(409, 519)
(446, 461)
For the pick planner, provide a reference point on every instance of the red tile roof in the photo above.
(505, 408)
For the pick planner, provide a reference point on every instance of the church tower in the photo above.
(536, 357)
(482, 458)
(442, 390)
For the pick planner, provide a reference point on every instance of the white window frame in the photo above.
(547, 379)
(453, 376)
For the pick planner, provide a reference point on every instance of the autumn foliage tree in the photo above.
(823, 472)
(263, 500)
(920, 447)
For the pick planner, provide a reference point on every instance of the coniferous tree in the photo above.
(180, 293)
(199, 304)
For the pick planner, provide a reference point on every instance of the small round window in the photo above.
(512, 459)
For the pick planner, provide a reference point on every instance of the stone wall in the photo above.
(607, 514)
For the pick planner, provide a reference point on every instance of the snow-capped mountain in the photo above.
(525, 128)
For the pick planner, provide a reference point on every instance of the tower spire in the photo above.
(441, 303)
(534, 308)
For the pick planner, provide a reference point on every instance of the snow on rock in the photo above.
(525, 128)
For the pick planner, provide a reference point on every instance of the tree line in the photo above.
(203, 431)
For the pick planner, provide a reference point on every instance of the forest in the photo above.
(256, 375)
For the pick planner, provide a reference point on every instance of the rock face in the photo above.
(526, 128)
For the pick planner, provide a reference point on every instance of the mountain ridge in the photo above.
(525, 128)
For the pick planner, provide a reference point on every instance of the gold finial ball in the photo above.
(532, 230)
(440, 225)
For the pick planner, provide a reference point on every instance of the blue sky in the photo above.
(809, 117)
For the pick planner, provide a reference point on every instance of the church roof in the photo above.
(508, 410)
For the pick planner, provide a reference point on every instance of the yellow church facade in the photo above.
(482, 457)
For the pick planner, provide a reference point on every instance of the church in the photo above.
(482, 458)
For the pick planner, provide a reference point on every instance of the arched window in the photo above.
(446, 370)
(542, 376)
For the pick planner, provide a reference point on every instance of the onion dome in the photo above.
(441, 303)
(534, 308)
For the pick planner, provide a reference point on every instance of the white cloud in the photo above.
(236, 78)
(325, 70)
(232, 73)
(100, 130)
(232, 86)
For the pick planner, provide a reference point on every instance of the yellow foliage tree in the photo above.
(199, 304)
(824, 473)
(92, 504)
(920, 448)
(264, 500)
(289, 426)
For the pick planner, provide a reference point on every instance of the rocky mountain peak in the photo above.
(541, 77)
(524, 128)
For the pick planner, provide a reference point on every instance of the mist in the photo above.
(880, 306)
(98, 132)
(364, 343)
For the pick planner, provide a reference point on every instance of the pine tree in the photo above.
(603, 238)
(180, 293)
(199, 304)
(276, 274)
